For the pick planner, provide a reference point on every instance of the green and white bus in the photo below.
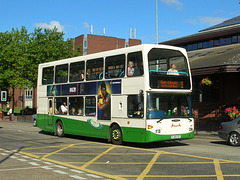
(131, 94)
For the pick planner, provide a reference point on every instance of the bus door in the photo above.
(50, 112)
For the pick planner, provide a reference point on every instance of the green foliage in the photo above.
(21, 53)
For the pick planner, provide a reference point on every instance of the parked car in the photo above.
(230, 131)
(34, 120)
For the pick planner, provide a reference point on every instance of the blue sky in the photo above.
(176, 18)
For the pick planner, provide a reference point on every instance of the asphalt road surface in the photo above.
(26, 152)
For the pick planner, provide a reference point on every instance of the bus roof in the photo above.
(113, 52)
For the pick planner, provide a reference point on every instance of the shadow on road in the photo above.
(137, 145)
(1, 161)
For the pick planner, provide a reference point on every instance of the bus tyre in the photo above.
(234, 139)
(59, 129)
(116, 135)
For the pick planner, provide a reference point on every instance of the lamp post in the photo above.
(156, 21)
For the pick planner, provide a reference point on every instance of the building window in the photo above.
(239, 38)
(28, 98)
(200, 45)
(190, 47)
(195, 46)
(228, 40)
(210, 43)
(205, 44)
(234, 39)
(222, 41)
(216, 42)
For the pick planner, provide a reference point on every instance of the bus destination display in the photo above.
(170, 84)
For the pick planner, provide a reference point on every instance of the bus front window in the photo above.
(168, 105)
(168, 69)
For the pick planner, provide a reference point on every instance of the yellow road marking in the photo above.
(49, 154)
(216, 162)
(218, 169)
(149, 166)
(86, 170)
(97, 157)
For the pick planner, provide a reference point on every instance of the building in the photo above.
(95, 43)
(214, 53)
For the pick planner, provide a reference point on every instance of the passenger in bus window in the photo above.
(64, 108)
(173, 70)
(130, 68)
(73, 111)
(80, 112)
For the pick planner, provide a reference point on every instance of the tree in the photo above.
(21, 53)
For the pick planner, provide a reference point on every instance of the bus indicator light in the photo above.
(150, 126)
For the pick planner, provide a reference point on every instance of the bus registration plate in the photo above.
(176, 137)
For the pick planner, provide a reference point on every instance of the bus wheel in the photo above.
(59, 129)
(116, 135)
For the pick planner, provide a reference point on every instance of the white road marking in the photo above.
(46, 167)
(76, 171)
(78, 177)
(33, 163)
(22, 160)
(93, 175)
(60, 172)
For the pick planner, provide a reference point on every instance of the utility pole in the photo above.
(156, 21)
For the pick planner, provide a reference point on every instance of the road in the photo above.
(27, 152)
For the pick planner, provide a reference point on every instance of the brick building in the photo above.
(95, 43)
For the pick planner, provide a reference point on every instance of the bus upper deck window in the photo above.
(94, 69)
(135, 64)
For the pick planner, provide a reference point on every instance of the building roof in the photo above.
(215, 60)
(229, 22)
(226, 28)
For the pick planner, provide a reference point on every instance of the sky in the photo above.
(176, 18)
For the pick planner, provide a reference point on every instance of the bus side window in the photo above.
(94, 69)
(114, 66)
(135, 106)
(77, 71)
(90, 106)
(61, 73)
(76, 106)
(47, 75)
(136, 69)
(61, 105)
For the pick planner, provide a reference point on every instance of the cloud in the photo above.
(86, 25)
(171, 2)
(210, 21)
(171, 32)
(50, 26)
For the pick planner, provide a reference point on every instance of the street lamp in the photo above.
(156, 21)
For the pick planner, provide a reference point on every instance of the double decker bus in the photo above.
(131, 94)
